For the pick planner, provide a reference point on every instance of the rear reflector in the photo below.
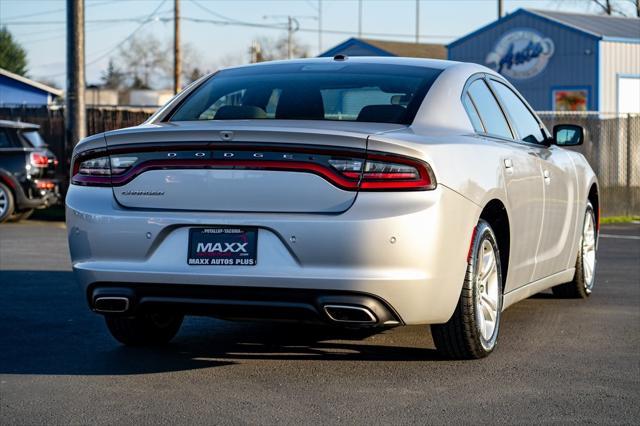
(45, 184)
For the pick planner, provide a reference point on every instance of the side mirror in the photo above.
(568, 135)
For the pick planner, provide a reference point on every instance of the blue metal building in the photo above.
(561, 61)
(18, 90)
(369, 47)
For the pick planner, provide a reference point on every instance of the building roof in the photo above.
(603, 26)
(392, 48)
(409, 50)
(29, 82)
(613, 28)
(18, 125)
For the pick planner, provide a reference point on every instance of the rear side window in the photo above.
(5, 140)
(473, 113)
(492, 117)
(33, 139)
(522, 119)
(380, 93)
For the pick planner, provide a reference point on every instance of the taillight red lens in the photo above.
(98, 171)
(397, 175)
(386, 173)
(350, 171)
(38, 160)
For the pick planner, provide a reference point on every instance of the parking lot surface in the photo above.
(558, 361)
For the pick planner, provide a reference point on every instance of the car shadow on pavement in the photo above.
(281, 341)
(46, 328)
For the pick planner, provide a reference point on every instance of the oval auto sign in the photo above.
(520, 54)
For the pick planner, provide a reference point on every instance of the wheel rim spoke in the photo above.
(488, 302)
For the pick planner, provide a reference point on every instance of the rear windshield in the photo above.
(33, 139)
(380, 93)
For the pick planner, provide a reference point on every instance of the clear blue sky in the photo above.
(39, 25)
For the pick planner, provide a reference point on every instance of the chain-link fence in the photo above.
(612, 144)
(612, 147)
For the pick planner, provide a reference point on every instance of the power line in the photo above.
(235, 22)
(130, 36)
(48, 12)
(123, 41)
(311, 30)
(94, 21)
(216, 14)
(58, 34)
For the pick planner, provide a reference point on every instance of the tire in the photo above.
(24, 215)
(463, 336)
(144, 330)
(7, 203)
(582, 284)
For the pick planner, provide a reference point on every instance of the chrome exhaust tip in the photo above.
(111, 304)
(350, 314)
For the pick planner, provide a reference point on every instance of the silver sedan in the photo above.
(359, 192)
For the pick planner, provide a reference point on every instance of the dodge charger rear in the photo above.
(300, 191)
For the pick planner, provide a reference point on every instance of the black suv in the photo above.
(27, 171)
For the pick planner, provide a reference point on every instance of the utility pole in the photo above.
(500, 8)
(292, 26)
(75, 120)
(319, 26)
(177, 57)
(289, 37)
(417, 21)
(359, 18)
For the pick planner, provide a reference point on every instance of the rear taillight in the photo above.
(348, 170)
(380, 173)
(38, 160)
(98, 171)
(45, 184)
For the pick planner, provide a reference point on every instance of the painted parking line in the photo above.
(621, 237)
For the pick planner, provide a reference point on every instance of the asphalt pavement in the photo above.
(557, 361)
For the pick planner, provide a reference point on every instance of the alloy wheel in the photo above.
(487, 291)
(4, 202)
(589, 250)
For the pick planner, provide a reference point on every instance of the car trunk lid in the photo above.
(246, 166)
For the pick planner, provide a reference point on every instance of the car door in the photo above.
(559, 189)
(523, 180)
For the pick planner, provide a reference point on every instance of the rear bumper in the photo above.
(244, 303)
(406, 250)
(42, 198)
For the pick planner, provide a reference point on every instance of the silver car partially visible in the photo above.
(369, 192)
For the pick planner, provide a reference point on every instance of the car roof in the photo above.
(390, 60)
(18, 124)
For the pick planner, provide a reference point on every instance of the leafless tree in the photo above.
(192, 66)
(269, 49)
(144, 61)
(616, 7)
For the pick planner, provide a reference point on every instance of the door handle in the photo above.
(547, 176)
(508, 164)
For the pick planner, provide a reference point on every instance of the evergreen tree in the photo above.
(113, 78)
(13, 57)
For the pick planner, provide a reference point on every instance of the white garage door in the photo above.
(629, 94)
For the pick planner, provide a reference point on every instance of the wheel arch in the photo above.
(5, 178)
(495, 213)
(594, 198)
